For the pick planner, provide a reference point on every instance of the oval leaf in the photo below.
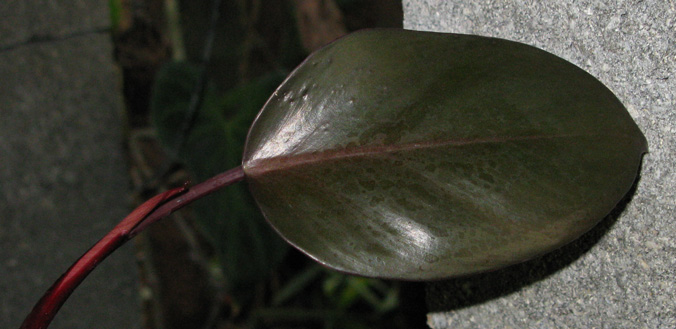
(416, 155)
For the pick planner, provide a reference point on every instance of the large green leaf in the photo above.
(247, 247)
(416, 155)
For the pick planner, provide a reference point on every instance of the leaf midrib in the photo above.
(259, 167)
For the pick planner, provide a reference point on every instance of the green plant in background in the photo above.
(346, 291)
(406, 155)
(246, 246)
(115, 7)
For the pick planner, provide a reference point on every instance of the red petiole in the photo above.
(147, 213)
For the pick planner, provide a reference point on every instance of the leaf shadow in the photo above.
(457, 293)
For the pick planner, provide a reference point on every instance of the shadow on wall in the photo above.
(475, 289)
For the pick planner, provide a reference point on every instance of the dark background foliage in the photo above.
(219, 265)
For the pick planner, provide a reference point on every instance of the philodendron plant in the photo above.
(419, 156)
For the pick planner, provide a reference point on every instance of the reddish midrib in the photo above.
(257, 167)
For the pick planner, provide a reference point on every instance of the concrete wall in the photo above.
(63, 180)
(623, 273)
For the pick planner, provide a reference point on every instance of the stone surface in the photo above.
(623, 273)
(41, 20)
(62, 170)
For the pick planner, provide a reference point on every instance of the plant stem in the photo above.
(209, 186)
(147, 213)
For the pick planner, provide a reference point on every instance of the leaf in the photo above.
(247, 247)
(415, 155)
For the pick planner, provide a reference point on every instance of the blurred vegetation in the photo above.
(202, 102)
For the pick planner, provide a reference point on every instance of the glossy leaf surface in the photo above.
(418, 155)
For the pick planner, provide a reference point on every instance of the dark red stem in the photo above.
(147, 213)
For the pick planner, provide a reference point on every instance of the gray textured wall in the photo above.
(623, 273)
(63, 181)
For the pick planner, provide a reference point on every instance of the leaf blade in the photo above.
(416, 155)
